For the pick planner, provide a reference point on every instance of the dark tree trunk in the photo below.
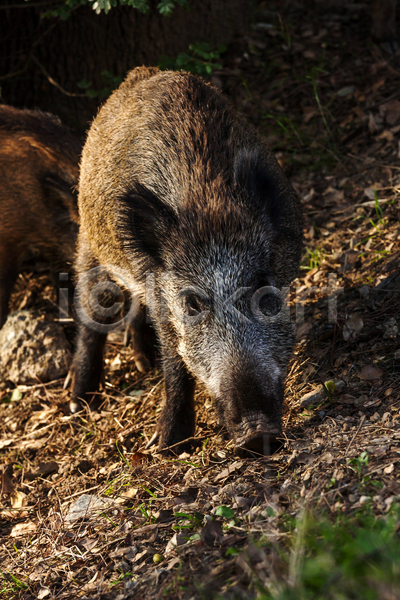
(34, 50)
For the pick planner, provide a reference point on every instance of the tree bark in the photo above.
(35, 52)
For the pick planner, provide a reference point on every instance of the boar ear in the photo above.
(261, 183)
(62, 199)
(144, 222)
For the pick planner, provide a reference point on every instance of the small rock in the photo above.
(234, 489)
(313, 397)
(25, 357)
(391, 329)
(361, 400)
(241, 502)
(318, 394)
(364, 291)
(389, 501)
(86, 506)
(352, 327)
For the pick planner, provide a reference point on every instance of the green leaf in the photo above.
(16, 395)
(225, 512)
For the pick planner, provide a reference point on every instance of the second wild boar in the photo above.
(178, 190)
(39, 169)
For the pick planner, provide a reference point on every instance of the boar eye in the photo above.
(194, 302)
(193, 305)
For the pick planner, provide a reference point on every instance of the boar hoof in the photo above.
(142, 364)
(258, 443)
(76, 405)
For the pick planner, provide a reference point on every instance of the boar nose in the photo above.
(258, 443)
(257, 434)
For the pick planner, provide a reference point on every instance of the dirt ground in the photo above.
(327, 99)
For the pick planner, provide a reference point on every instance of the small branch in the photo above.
(190, 439)
(57, 85)
(356, 433)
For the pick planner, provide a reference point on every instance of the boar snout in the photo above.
(256, 434)
(251, 408)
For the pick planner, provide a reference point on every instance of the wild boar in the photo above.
(180, 199)
(39, 168)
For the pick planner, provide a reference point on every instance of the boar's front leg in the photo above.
(87, 364)
(87, 368)
(177, 419)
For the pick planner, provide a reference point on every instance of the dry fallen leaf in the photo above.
(178, 539)
(18, 499)
(23, 529)
(347, 399)
(6, 485)
(390, 111)
(369, 372)
(372, 125)
(231, 468)
(389, 469)
(47, 468)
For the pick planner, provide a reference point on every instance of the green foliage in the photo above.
(313, 79)
(10, 585)
(378, 212)
(225, 512)
(110, 82)
(146, 512)
(187, 521)
(355, 558)
(232, 551)
(66, 7)
(313, 259)
(201, 59)
(357, 464)
(166, 7)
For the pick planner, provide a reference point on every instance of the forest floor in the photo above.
(319, 518)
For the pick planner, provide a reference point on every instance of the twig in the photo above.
(81, 492)
(190, 439)
(352, 439)
(57, 85)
